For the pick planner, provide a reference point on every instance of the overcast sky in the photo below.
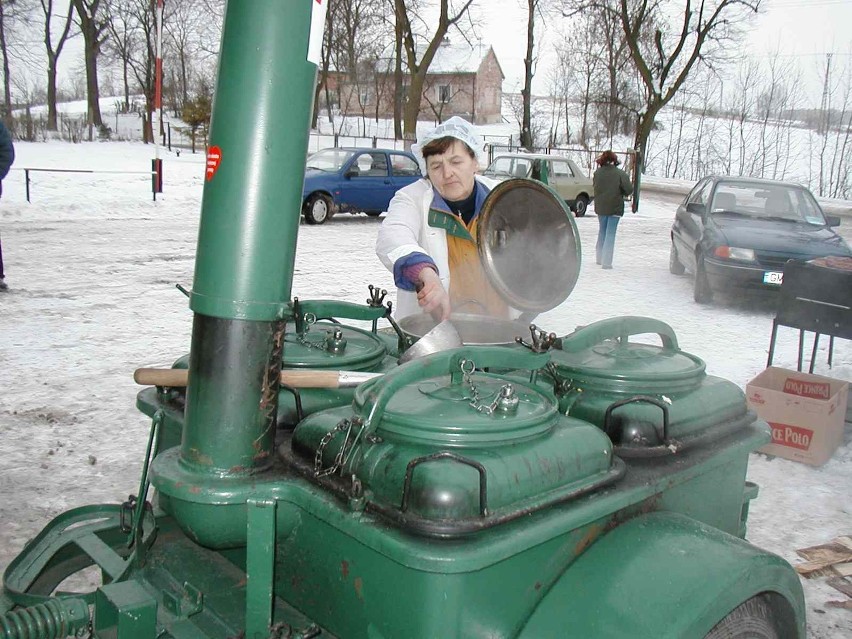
(805, 29)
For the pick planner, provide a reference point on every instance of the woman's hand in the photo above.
(431, 296)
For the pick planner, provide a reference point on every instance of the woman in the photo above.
(428, 237)
(612, 185)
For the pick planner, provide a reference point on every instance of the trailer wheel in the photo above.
(750, 620)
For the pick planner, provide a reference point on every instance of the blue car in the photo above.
(739, 232)
(353, 180)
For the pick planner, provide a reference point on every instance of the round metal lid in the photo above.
(438, 411)
(352, 349)
(529, 245)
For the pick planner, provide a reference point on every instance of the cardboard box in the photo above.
(806, 413)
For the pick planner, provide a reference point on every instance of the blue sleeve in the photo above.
(412, 259)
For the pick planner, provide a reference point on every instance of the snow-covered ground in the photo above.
(92, 262)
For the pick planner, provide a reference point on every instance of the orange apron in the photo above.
(470, 291)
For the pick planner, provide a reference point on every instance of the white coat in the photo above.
(406, 230)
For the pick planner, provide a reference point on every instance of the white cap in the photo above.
(455, 127)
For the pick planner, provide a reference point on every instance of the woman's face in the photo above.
(451, 173)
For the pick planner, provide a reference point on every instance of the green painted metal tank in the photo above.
(585, 486)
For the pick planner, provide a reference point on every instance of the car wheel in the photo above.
(374, 213)
(580, 206)
(675, 267)
(750, 620)
(317, 209)
(702, 293)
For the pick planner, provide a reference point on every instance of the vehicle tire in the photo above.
(581, 205)
(750, 620)
(702, 293)
(374, 213)
(675, 267)
(317, 209)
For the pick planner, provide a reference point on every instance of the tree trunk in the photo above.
(643, 132)
(91, 48)
(411, 109)
(526, 92)
(92, 91)
(7, 81)
(52, 123)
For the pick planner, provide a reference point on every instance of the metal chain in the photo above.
(302, 339)
(467, 367)
(344, 425)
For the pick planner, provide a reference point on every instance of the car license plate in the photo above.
(773, 277)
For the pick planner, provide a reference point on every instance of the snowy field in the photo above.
(92, 262)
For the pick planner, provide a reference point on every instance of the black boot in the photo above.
(3, 285)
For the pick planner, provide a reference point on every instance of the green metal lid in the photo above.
(529, 245)
(487, 410)
(603, 351)
(332, 345)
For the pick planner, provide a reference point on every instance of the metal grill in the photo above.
(815, 296)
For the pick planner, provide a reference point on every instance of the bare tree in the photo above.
(14, 15)
(322, 84)
(121, 43)
(53, 50)
(187, 32)
(667, 38)
(535, 9)
(93, 28)
(417, 59)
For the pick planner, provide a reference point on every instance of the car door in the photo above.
(561, 177)
(689, 222)
(367, 184)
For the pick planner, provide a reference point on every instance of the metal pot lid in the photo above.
(604, 351)
(440, 411)
(529, 245)
(331, 345)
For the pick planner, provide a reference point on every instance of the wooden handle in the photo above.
(174, 377)
(177, 377)
(310, 378)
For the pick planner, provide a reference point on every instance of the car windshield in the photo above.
(509, 166)
(767, 201)
(328, 159)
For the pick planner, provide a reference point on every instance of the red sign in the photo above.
(804, 388)
(214, 159)
(791, 436)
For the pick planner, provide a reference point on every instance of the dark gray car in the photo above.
(735, 231)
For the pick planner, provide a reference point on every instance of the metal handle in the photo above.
(618, 328)
(483, 482)
(638, 399)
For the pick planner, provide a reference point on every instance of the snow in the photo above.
(92, 262)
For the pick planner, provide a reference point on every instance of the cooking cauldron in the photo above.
(474, 330)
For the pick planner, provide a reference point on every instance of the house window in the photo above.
(365, 96)
(444, 93)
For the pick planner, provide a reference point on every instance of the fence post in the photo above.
(27, 181)
(156, 177)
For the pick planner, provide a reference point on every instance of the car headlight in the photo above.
(734, 253)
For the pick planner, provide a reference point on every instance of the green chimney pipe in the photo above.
(247, 238)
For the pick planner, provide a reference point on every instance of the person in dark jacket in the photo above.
(7, 156)
(612, 185)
